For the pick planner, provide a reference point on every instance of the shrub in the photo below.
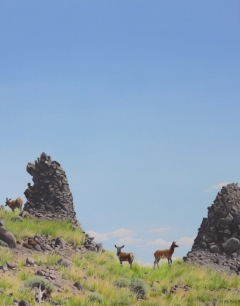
(122, 283)
(139, 287)
(95, 297)
(38, 280)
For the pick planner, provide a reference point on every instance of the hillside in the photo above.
(99, 275)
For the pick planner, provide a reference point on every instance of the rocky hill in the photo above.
(218, 240)
(46, 258)
(51, 260)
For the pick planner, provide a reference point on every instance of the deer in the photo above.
(164, 254)
(13, 204)
(124, 256)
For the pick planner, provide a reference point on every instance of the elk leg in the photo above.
(154, 264)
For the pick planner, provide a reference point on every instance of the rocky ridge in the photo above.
(218, 241)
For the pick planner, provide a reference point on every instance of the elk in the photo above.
(165, 254)
(14, 203)
(124, 256)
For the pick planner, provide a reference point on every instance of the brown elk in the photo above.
(124, 256)
(164, 254)
(13, 204)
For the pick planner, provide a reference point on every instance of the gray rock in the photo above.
(224, 222)
(90, 247)
(30, 261)
(231, 245)
(99, 247)
(60, 242)
(40, 273)
(49, 208)
(235, 222)
(78, 286)
(4, 244)
(39, 215)
(17, 218)
(23, 303)
(64, 262)
(37, 248)
(46, 247)
(8, 237)
(31, 168)
(203, 245)
(214, 248)
(11, 265)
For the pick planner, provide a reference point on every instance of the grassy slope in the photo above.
(97, 272)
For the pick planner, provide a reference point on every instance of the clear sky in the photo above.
(137, 100)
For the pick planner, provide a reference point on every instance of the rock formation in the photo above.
(91, 245)
(218, 239)
(50, 196)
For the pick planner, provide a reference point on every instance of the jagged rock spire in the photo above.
(50, 196)
(219, 233)
(222, 221)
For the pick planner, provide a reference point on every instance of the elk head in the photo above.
(119, 249)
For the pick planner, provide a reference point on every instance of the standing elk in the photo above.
(13, 204)
(124, 256)
(164, 254)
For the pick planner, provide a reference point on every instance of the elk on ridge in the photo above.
(13, 204)
(159, 254)
(129, 257)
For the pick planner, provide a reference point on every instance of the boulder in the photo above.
(99, 247)
(8, 237)
(4, 244)
(60, 242)
(235, 222)
(31, 168)
(64, 262)
(78, 286)
(30, 261)
(214, 248)
(231, 245)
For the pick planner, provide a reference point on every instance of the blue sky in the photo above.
(138, 101)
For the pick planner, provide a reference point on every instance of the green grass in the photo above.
(5, 255)
(47, 260)
(99, 272)
(31, 227)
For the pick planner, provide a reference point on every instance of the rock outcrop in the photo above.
(91, 245)
(50, 196)
(218, 239)
(7, 239)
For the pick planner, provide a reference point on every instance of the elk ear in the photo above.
(115, 246)
(122, 247)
